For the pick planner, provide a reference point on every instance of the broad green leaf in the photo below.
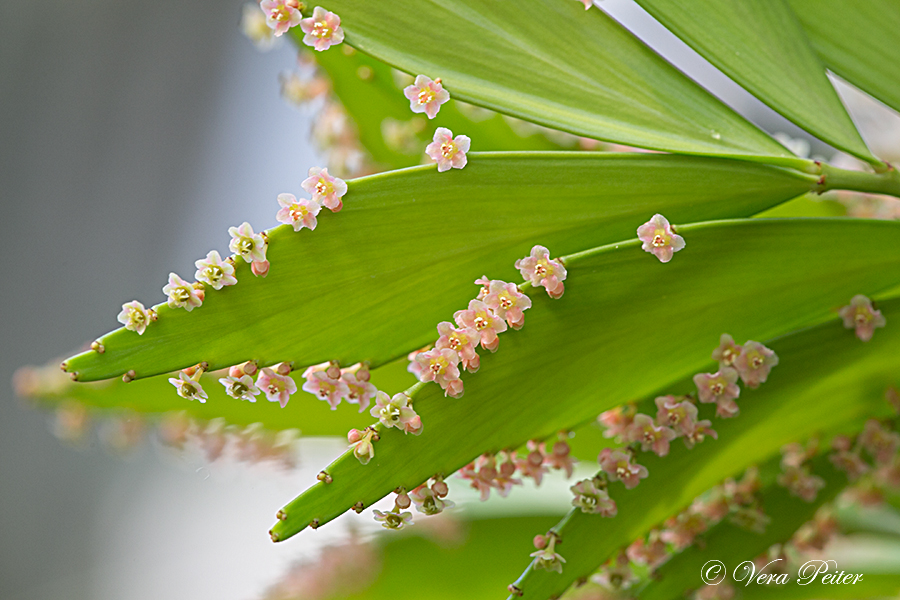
(762, 47)
(395, 136)
(855, 40)
(626, 327)
(733, 545)
(826, 382)
(372, 282)
(551, 62)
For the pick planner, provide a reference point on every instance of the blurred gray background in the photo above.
(132, 135)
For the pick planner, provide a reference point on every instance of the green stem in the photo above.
(832, 178)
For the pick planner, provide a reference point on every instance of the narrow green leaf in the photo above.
(733, 545)
(155, 396)
(855, 40)
(395, 136)
(628, 326)
(551, 62)
(762, 46)
(826, 382)
(408, 245)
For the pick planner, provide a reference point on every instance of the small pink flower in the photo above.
(360, 390)
(587, 3)
(134, 317)
(727, 351)
(548, 559)
(652, 553)
(483, 320)
(851, 463)
(559, 457)
(507, 302)
(862, 316)
(214, 271)
(801, 483)
(322, 29)
(505, 481)
(533, 465)
(241, 388)
(680, 531)
(719, 387)
(485, 283)
(463, 341)
(326, 386)
(428, 502)
(188, 388)
(441, 366)
(482, 474)
(650, 435)
(616, 421)
(277, 388)
(659, 238)
(618, 467)
(396, 412)
(698, 433)
(325, 189)
(247, 244)
(393, 520)
(448, 151)
(281, 15)
(593, 500)
(361, 443)
(681, 416)
(616, 574)
(260, 268)
(540, 269)
(183, 294)
(297, 213)
(426, 96)
(881, 443)
(754, 363)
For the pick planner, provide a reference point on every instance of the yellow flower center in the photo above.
(425, 96)
(506, 302)
(181, 294)
(321, 29)
(660, 239)
(448, 149)
(481, 323)
(299, 212)
(757, 361)
(323, 187)
(717, 388)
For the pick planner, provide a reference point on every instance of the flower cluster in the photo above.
(873, 453)
(332, 384)
(498, 306)
(676, 416)
(752, 362)
(498, 471)
(541, 270)
(861, 316)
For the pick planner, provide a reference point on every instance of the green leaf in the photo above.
(826, 382)
(368, 92)
(446, 571)
(852, 38)
(627, 327)
(550, 62)
(155, 396)
(372, 282)
(733, 545)
(763, 47)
